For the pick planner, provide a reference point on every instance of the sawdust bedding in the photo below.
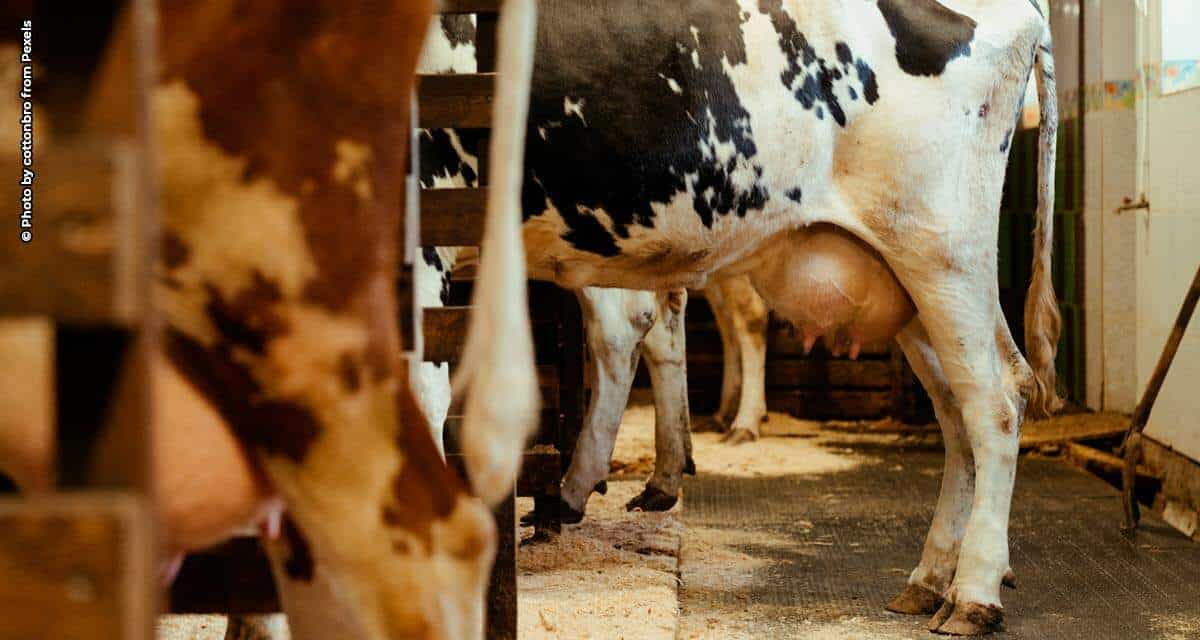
(615, 575)
(789, 446)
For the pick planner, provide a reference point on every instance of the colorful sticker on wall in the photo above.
(1178, 75)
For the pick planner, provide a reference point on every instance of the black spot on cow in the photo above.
(928, 35)
(643, 143)
(299, 564)
(250, 319)
(431, 257)
(175, 252)
(866, 75)
(843, 53)
(459, 29)
(795, 195)
(811, 78)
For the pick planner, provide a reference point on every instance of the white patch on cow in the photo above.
(431, 385)
(542, 133)
(235, 230)
(351, 167)
(574, 108)
(675, 88)
(696, 51)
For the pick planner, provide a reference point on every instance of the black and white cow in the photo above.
(621, 325)
(668, 148)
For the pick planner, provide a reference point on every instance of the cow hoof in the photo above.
(540, 536)
(601, 488)
(1009, 580)
(689, 466)
(652, 499)
(557, 512)
(739, 436)
(708, 424)
(914, 600)
(967, 619)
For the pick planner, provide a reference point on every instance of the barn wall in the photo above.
(1168, 248)
(1110, 139)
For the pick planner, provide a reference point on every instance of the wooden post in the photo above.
(80, 563)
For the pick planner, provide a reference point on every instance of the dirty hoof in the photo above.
(709, 424)
(540, 536)
(967, 619)
(601, 488)
(1009, 580)
(915, 599)
(689, 466)
(551, 511)
(652, 499)
(739, 436)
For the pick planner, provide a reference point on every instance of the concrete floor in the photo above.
(817, 555)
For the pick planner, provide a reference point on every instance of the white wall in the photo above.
(1168, 252)
(1110, 142)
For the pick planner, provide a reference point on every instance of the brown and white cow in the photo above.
(282, 134)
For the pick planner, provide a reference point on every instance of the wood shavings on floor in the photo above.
(612, 576)
(190, 627)
(789, 447)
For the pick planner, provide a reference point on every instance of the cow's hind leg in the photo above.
(616, 321)
(929, 581)
(731, 366)
(964, 322)
(748, 315)
(666, 358)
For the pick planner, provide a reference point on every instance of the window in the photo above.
(1180, 45)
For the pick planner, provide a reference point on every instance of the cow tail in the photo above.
(1043, 322)
(497, 366)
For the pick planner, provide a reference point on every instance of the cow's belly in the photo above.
(831, 285)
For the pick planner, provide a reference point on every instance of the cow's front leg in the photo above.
(963, 321)
(931, 579)
(666, 358)
(748, 315)
(615, 321)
